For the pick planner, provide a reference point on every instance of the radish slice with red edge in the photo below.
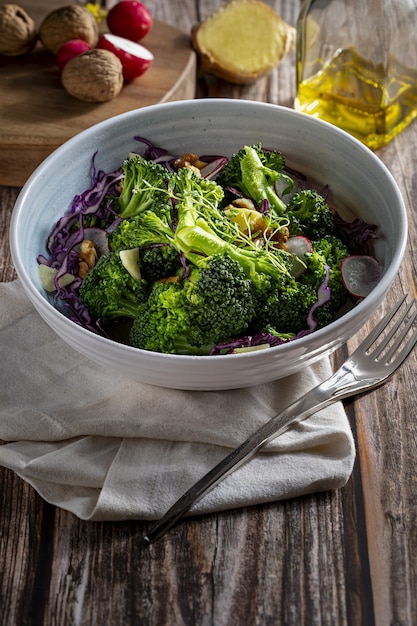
(213, 168)
(134, 57)
(298, 246)
(97, 235)
(360, 274)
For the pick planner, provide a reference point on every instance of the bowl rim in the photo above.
(367, 305)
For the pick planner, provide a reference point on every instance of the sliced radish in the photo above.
(97, 235)
(69, 50)
(130, 19)
(134, 57)
(360, 274)
(130, 261)
(214, 167)
(298, 246)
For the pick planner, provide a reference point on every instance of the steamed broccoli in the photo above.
(125, 236)
(158, 258)
(255, 172)
(110, 292)
(143, 185)
(142, 231)
(231, 286)
(161, 261)
(214, 304)
(286, 308)
(309, 215)
(329, 250)
(162, 323)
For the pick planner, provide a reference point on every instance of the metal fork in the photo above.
(368, 367)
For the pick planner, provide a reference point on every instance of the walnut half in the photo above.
(87, 257)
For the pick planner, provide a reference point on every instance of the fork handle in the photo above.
(314, 400)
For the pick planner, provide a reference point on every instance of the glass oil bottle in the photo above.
(357, 65)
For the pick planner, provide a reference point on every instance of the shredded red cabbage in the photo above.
(68, 233)
(356, 234)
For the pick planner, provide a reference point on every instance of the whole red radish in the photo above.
(134, 57)
(130, 19)
(70, 49)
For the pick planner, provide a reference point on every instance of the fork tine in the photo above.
(407, 347)
(374, 334)
(384, 343)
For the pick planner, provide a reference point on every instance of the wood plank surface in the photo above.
(37, 114)
(347, 557)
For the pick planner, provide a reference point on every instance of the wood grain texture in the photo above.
(347, 557)
(38, 115)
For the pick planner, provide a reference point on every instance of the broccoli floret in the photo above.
(286, 308)
(332, 249)
(144, 185)
(125, 236)
(329, 250)
(255, 172)
(309, 215)
(163, 321)
(158, 259)
(223, 297)
(213, 305)
(287, 305)
(142, 231)
(145, 229)
(161, 261)
(110, 292)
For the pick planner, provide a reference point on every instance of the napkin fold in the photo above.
(107, 448)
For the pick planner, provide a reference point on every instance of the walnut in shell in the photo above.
(66, 23)
(94, 76)
(242, 41)
(18, 33)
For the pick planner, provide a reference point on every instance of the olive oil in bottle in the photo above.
(371, 94)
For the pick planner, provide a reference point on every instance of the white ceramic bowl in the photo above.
(356, 176)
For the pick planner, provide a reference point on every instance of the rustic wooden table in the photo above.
(345, 557)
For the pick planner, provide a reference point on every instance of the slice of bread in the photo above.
(242, 41)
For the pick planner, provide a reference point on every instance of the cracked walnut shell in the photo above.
(18, 33)
(66, 23)
(94, 76)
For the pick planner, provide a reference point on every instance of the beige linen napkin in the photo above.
(107, 448)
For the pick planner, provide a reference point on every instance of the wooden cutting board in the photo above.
(37, 115)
